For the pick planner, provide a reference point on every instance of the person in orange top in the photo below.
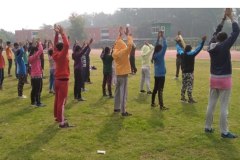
(2, 64)
(62, 73)
(122, 66)
(9, 57)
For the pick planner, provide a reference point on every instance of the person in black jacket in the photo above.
(187, 66)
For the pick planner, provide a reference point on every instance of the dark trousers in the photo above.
(36, 90)
(83, 74)
(132, 63)
(9, 66)
(178, 65)
(21, 80)
(107, 79)
(87, 75)
(1, 76)
(77, 83)
(158, 88)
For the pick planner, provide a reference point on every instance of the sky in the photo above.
(29, 14)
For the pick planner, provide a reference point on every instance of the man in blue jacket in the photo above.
(221, 71)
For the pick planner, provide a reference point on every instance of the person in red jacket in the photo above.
(62, 73)
(2, 65)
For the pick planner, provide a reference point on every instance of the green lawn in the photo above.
(150, 134)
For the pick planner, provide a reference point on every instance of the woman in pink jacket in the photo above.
(36, 74)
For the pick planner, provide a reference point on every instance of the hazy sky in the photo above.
(31, 14)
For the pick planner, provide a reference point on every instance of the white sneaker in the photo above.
(22, 97)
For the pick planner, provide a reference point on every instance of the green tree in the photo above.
(6, 36)
(76, 29)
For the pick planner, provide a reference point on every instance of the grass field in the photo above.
(150, 134)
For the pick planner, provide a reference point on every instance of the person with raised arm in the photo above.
(121, 58)
(221, 74)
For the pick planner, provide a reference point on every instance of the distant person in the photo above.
(62, 73)
(9, 57)
(121, 59)
(181, 43)
(78, 79)
(146, 52)
(21, 68)
(36, 74)
(25, 59)
(52, 67)
(159, 70)
(84, 70)
(188, 61)
(2, 65)
(14, 50)
(87, 75)
(132, 60)
(107, 71)
(221, 74)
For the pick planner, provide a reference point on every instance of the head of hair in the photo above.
(15, 44)
(1, 48)
(106, 50)
(77, 48)
(188, 48)
(8, 42)
(33, 50)
(222, 36)
(158, 48)
(25, 48)
(50, 52)
(59, 46)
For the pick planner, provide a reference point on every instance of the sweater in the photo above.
(220, 52)
(77, 57)
(188, 59)
(9, 53)
(158, 58)
(146, 52)
(35, 62)
(2, 61)
(121, 53)
(21, 68)
(61, 59)
(107, 63)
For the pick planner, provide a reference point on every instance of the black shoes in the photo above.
(142, 91)
(126, 114)
(116, 110)
(65, 125)
(149, 92)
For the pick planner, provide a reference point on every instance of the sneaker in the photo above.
(126, 114)
(207, 130)
(116, 110)
(228, 135)
(163, 108)
(111, 96)
(22, 97)
(65, 125)
(142, 91)
(184, 100)
(40, 105)
(191, 101)
(149, 92)
(175, 78)
(153, 105)
(33, 105)
(81, 99)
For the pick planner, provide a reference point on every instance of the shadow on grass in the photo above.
(26, 151)
(143, 98)
(188, 109)
(157, 118)
(100, 102)
(110, 130)
(7, 101)
(224, 147)
(15, 115)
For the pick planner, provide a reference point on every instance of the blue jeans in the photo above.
(51, 79)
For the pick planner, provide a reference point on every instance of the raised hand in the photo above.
(90, 41)
(56, 29)
(204, 38)
(126, 31)
(121, 31)
(60, 29)
(228, 12)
